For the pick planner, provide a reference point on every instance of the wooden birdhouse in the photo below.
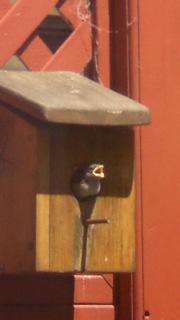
(53, 124)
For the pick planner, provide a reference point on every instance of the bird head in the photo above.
(85, 181)
(95, 171)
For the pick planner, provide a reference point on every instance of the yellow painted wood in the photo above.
(110, 247)
(65, 222)
(103, 247)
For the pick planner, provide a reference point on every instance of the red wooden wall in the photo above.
(159, 78)
(147, 68)
(144, 41)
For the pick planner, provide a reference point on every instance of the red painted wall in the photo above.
(146, 66)
(159, 80)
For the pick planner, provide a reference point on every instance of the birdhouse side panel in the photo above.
(18, 160)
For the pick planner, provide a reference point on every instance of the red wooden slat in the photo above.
(14, 29)
(124, 68)
(94, 312)
(109, 279)
(4, 7)
(92, 289)
(102, 51)
(75, 53)
(134, 81)
(35, 54)
(73, 10)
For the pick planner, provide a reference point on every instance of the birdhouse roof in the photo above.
(67, 97)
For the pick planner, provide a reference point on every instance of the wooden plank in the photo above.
(15, 19)
(43, 201)
(17, 192)
(4, 7)
(110, 247)
(102, 33)
(120, 37)
(92, 289)
(108, 277)
(124, 32)
(98, 312)
(65, 222)
(75, 53)
(136, 286)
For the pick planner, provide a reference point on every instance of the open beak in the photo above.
(99, 172)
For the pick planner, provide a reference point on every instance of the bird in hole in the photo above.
(86, 181)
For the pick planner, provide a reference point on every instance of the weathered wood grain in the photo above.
(65, 222)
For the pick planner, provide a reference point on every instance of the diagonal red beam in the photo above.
(74, 10)
(4, 7)
(75, 53)
(35, 54)
(14, 29)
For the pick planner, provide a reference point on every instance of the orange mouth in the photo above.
(99, 172)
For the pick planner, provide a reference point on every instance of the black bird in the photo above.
(86, 181)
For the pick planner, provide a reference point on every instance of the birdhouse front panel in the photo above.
(92, 234)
